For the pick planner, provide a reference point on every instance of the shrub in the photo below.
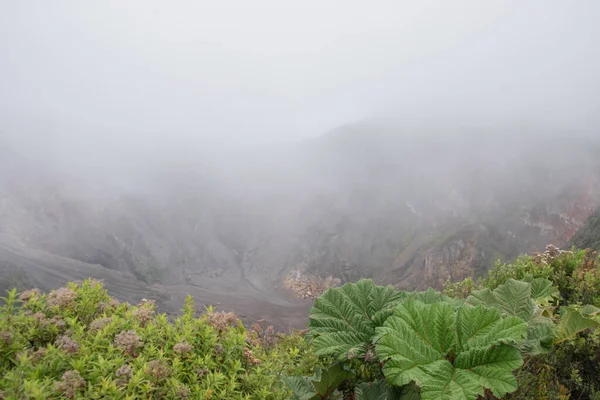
(571, 369)
(77, 342)
(383, 343)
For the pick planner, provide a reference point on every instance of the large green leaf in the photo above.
(319, 386)
(431, 296)
(301, 388)
(481, 326)
(589, 310)
(571, 323)
(543, 291)
(450, 354)
(326, 380)
(540, 337)
(409, 392)
(516, 298)
(343, 320)
(380, 390)
(512, 298)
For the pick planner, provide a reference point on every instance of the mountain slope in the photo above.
(409, 208)
(588, 237)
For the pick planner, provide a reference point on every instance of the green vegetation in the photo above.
(77, 342)
(525, 330)
(571, 368)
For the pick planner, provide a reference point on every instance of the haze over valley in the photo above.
(230, 152)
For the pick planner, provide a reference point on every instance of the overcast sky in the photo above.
(263, 71)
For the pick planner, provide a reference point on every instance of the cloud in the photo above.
(233, 72)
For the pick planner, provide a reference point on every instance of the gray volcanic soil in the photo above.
(35, 268)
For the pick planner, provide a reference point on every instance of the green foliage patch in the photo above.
(496, 337)
(526, 330)
(77, 342)
(562, 352)
(448, 353)
(343, 320)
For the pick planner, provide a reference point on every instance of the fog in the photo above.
(147, 75)
(217, 148)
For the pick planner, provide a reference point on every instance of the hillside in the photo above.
(588, 237)
(411, 208)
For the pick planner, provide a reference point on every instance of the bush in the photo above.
(520, 332)
(77, 342)
(572, 368)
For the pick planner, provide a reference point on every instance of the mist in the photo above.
(147, 76)
(220, 148)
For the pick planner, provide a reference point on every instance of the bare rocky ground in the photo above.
(308, 286)
(35, 268)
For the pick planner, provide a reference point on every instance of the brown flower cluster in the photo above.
(221, 320)
(69, 384)
(370, 355)
(201, 371)
(111, 304)
(183, 393)
(58, 322)
(128, 342)
(551, 253)
(250, 357)
(124, 371)
(182, 347)
(6, 337)
(43, 321)
(38, 354)
(124, 374)
(114, 303)
(262, 334)
(143, 314)
(590, 261)
(158, 369)
(352, 354)
(40, 318)
(29, 294)
(147, 303)
(99, 323)
(33, 356)
(62, 297)
(97, 282)
(67, 344)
